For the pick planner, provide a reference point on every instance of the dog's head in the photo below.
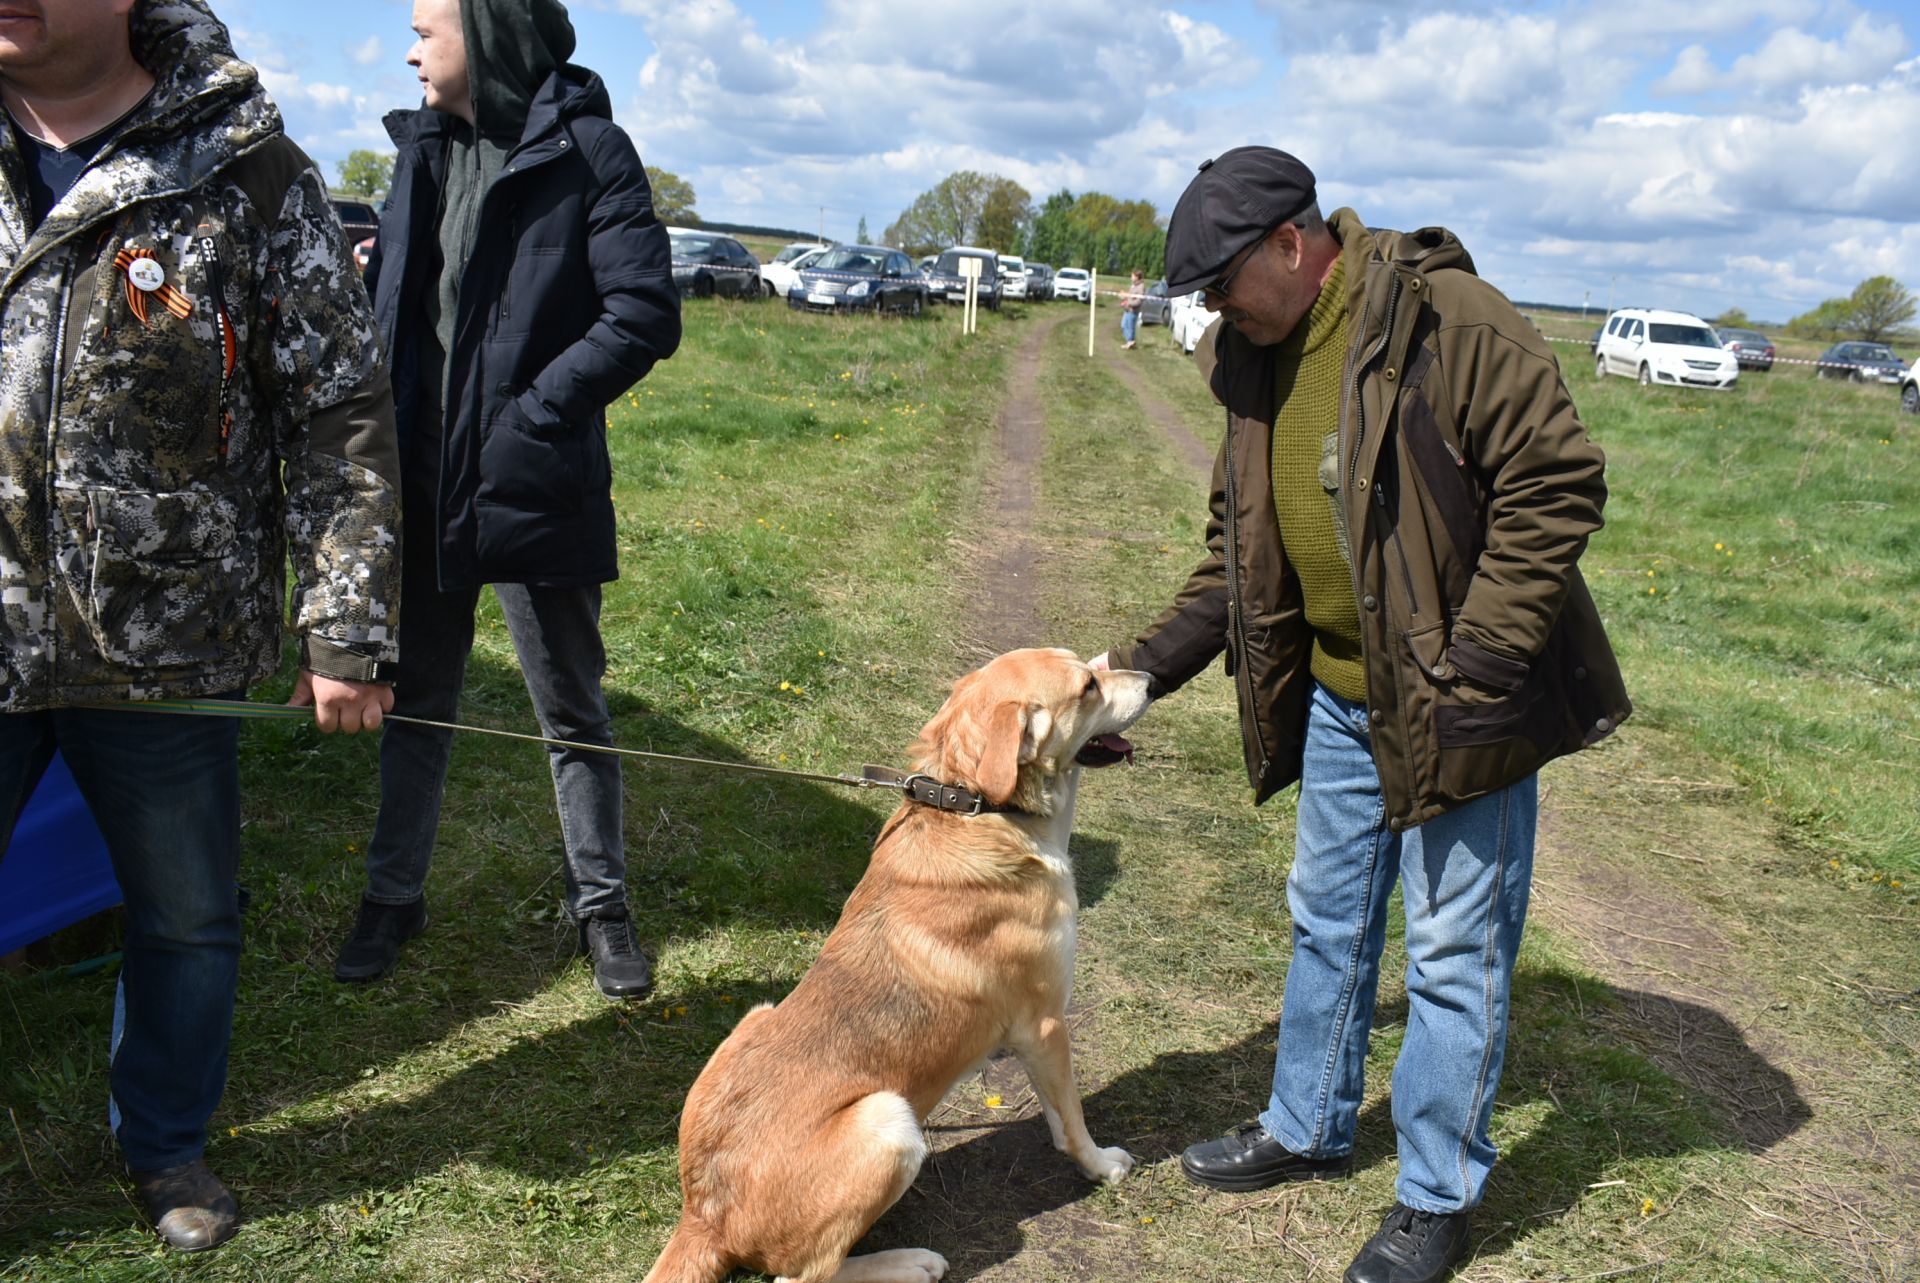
(1029, 716)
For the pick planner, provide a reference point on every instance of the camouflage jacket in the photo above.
(162, 451)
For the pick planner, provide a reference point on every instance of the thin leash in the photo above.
(918, 787)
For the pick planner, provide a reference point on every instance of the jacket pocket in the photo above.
(531, 463)
(161, 577)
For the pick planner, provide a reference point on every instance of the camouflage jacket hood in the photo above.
(162, 450)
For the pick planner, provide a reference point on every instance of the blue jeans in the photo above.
(556, 633)
(1464, 878)
(165, 791)
(1129, 324)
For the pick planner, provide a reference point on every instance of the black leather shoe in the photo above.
(620, 968)
(1412, 1247)
(374, 944)
(1249, 1159)
(188, 1205)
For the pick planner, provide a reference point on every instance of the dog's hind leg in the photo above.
(1049, 1061)
(854, 1172)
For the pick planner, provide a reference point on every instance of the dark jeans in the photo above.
(165, 791)
(556, 633)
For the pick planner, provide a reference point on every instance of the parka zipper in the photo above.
(223, 327)
(1236, 605)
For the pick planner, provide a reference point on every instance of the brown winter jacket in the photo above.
(1465, 487)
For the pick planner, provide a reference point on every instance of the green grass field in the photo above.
(805, 508)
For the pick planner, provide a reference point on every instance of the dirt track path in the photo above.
(1742, 976)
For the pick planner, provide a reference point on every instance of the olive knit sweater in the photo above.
(1306, 479)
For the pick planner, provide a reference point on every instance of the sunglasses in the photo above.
(1221, 289)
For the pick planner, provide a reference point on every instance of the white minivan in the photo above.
(1677, 349)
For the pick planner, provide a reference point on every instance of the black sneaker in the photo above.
(188, 1205)
(620, 968)
(1249, 1158)
(1412, 1247)
(374, 945)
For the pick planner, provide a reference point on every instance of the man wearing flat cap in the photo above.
(1397, 512)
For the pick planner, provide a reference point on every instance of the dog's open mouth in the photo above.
(1104, 750)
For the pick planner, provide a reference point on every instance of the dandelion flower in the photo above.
(993, 1102)
(1646, 1207)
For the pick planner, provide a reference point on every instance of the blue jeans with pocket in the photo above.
(556, 635)
(165, 790)
(1129, 324)
(1464, 878)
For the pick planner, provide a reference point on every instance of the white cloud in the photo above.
(369, 52)
(1793, 61)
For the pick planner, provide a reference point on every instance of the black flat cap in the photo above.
(1236, 198)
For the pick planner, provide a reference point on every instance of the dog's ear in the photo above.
(1003, 746)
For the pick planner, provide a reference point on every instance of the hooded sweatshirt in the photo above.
(512, 47)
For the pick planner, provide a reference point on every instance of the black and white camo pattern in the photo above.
(149, 496)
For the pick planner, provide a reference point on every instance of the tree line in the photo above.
(369, 173)
(1091, 230)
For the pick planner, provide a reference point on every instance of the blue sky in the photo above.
(1699, 154)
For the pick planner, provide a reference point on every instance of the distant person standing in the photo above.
(1130, 304)
(190, 389)
(522, 283)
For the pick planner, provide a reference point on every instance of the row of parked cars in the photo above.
(1679, 349)
(813, 276)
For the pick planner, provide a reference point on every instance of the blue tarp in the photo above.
(57, 871)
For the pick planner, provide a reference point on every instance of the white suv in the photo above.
(1013, 276)
(1073, 283)
(1673, 348)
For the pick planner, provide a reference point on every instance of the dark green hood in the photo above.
(512, 47)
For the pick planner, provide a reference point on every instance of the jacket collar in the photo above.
(207, 109)
(569, 93)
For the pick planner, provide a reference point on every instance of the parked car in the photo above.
(1073, 283)
(707, 263)
(945, 281)
(1673, 348)
(1039, 282)
(860, 278)
(1751, 349)
(776, 275)
(1910, 389)
(1155, 306)
(358, 216)
(363, 252)
(1188, 319)
(1013, 276)
(1862, 362)
(1593, 344)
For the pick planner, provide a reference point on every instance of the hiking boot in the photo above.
(374, 945)
(620, 968)
(1249, 1158)
(1412, 1247)
(188, 1205)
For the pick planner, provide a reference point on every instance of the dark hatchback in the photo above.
(1752, 349)
(944, 279)
(860, 278)
(1862, 362)
(706, 264)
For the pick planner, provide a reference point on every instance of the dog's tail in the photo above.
(691, 1256)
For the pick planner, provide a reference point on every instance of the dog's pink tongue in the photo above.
(1104, 750)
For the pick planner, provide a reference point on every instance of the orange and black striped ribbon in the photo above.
(170, 298)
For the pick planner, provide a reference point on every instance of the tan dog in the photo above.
(805, 1125)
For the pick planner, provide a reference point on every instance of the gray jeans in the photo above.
(556, 634)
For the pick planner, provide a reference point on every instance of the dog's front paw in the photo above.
(1109, 1166)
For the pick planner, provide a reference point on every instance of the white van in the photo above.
(1673, 348)
(1013, 276)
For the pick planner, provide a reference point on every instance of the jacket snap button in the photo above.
(1369, 602)
(1603, 725)
(1414, 284)
(1579, 674)
(1391, 373)
(1362, 483)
